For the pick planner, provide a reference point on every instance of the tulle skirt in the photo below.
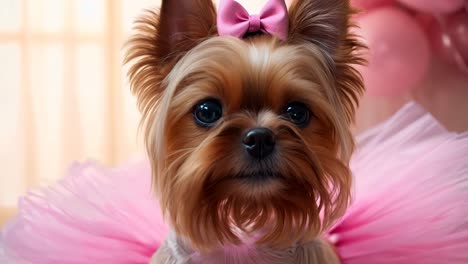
(410, 205)
(410, 196)
(94, 215)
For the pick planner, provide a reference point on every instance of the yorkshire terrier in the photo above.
(248, 132)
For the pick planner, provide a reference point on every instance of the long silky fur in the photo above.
(196, 182)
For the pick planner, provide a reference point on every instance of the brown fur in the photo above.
(177, 60)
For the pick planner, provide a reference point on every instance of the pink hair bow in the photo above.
(234, 20)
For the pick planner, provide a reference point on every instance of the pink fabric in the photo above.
(95, 214)
(234, 20)
(410, 200)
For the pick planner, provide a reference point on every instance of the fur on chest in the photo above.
(175, 251)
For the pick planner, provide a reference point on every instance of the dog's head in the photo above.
(247, 134)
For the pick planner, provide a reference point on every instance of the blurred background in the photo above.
(63, 92)
(64, 96)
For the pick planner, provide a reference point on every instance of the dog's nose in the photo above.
(259, 142)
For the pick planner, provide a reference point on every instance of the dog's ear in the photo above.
(327, 24)
(322, 22)
(160, 38)
(176, 28)
(182, 24)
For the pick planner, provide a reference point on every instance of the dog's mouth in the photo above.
(260, 176)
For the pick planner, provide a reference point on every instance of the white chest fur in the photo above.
(174, 251)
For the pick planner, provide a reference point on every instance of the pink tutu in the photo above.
(410, 205)
(94, 215)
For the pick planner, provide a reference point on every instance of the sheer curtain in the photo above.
(63, 93)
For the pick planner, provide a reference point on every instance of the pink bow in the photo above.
(234, 20)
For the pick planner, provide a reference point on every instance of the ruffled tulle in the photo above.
(411, 195)
(94, 215)
(410, 205)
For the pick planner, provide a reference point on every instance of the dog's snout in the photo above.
(259, 142)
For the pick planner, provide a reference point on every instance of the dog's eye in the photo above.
(298, 113)
(207, 112)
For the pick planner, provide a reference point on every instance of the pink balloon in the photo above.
(371, 4)
(435, 6)
(449, 39)
(458, 28)
(398, 53)
(425, 21)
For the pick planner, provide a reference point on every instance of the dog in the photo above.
(248, 132)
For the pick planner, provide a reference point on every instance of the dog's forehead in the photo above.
(274, 75)
(264, 81)
(248, 74)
